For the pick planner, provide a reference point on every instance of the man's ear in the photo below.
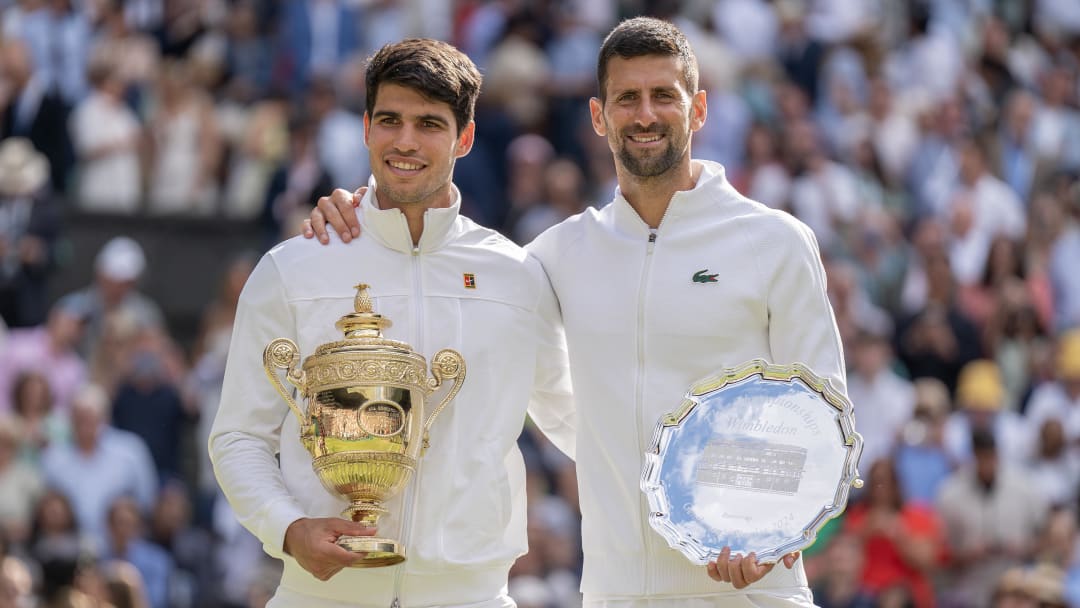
(699, 108)
(466, 139)
(596, 110)
(367, 128)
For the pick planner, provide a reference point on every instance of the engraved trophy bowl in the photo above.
(365, 423)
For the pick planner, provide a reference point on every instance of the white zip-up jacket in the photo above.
(722, 280)
(464, 510)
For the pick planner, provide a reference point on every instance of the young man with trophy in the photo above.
(378, 461)
(695, 278)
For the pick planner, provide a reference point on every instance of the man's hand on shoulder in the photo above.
(339, 211)
(742, 571)
(312, 542)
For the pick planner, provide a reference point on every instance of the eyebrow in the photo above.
(432, 117)
(651, 90)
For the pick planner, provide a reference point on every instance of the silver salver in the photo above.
(757, 458)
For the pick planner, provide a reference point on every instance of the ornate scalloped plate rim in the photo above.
(650, 483)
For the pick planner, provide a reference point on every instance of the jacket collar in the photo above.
(704, 193)
(391, 229)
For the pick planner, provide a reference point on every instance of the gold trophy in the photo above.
(365, 425)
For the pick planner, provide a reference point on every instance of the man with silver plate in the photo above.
(679, 277)
(444, 282)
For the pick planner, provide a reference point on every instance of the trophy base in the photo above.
(377, 551)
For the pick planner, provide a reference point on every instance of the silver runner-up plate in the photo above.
(756, 458)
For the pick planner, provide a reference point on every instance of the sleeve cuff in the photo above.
(278, 516)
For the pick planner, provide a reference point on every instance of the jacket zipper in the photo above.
(413, 489)
(639, 392)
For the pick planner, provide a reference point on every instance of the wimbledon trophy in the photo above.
(757, 458)
(365, 424)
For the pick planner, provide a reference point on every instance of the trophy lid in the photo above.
(363, 332)
(364, 322)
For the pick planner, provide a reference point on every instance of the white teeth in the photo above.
(646, 139)
(406, 166)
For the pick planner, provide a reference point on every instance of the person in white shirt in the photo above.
(107, 135)
(640, 328)
(467, 497)
(1060, 397)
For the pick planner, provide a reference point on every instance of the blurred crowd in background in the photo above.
(933, 147)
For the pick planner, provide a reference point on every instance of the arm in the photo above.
(552, 404)
(247, 432)
(802, 327)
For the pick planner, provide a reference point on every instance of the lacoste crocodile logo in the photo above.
(701, 277)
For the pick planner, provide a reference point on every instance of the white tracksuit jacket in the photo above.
(466, 523)
(640, 330)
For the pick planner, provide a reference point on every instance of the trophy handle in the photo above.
(283, 353)
(447, 364)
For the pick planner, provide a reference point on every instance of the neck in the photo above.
(415, 218)
(86, 448)
(120, 546)
(651, 196)
(414, 213)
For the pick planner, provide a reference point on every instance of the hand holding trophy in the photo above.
(365, 423)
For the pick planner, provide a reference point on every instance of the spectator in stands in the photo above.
(1060, 398)
(195, 581)
(992, 517)
(118, 266)
(54, 528)
(108, 141)
(883, 400)
(565, 196)
(21, 485)
(34, 410)
(980, 397)
(980, 207)
(903, 542)
(841, 584)
(126, 542)
(29, 225)
(99, 465)
(938, 340)
(922, 460)
(1063, 255)
(185, 145)
(148, 404)
(35, 111)
(49, 350)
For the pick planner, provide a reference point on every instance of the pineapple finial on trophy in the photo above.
(362, 301)
(364, 322)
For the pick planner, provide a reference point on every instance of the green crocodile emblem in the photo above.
(701, 277)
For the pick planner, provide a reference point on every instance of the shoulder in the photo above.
(473, 236)
(562, 238)
(1047, 399)
(772, 225)
(499, 258)
(307, 263)
(126, 443)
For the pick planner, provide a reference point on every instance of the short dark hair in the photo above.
(433, 68)
(643, 36)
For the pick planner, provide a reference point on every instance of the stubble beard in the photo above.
(647, 166)
(416, 194)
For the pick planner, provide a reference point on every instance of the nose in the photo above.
(646, 113)
(406, 140)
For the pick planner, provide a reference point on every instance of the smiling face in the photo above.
(648, 114)
(413, 143)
